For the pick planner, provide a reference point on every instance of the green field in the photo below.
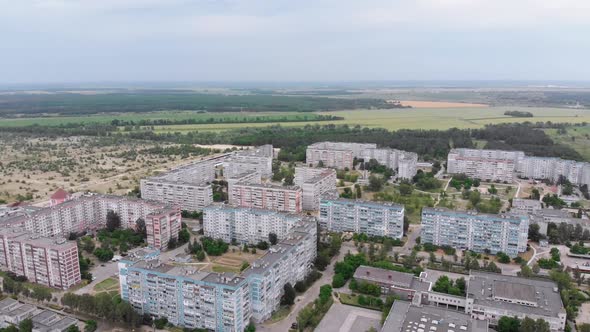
(392, 119)
(577, 138)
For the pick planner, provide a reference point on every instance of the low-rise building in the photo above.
(48, 261)
(314, 183)
(526, 205)
(407, 317)
(371, 218)
(479, 232)
(246, 225)
(403, 285)
(491, 296)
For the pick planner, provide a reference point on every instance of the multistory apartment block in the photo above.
(498, 165)
(246, 225)
(190, 196)
(266, 196)
(489, 165)
(256, 159)
(371, 218)
(314, 183)
(219, 301)
(341, 155)
(88, 213)
(48, 261)
(251, 176)
(475, 231)
(335, 154)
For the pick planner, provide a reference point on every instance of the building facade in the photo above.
(314, 183)
(88, 213)
(219, 301)
(371, 218)
(51, 262)
(257, 159)
(475, 231)
(246, 225)
(266, 196)
(488, 165)
(189, 195)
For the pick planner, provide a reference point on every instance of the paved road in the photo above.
(310, 295)
(413, 233)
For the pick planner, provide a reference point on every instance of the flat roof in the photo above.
(405, 317)
(484, 288)
(362, 202)
(384, 276)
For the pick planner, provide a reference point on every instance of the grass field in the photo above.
(418, 118)
(392, 119)
(107, 285)
(577, 138)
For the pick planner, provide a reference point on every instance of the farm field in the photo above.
(391, 119)
(415, 118)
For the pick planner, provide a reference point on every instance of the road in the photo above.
(310, 295)
(413, 233)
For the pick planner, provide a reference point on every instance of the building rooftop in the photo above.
(362, 202)
(526, 295)
(229, 208)
(384, 276)
(404, 317)
(495, 217)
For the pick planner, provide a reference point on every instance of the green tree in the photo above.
(289, 295)
(338, 280)
(508, 324)
(26, 325)
(140, 228)
(113, 221)
(90, 326)
(375, 183)
(272, 238)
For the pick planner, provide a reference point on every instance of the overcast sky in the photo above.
(293, 40)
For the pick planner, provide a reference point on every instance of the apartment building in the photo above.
(256, 159)
(314, 183)
(488, 165)
(189, 196)
(371, 218)
(247, 225)
(266, 196)
(48, 261)
(251, 176)
(498, 165)
(288, 262)
(341, 155)
(475, 231)
(541, 168)
(491, 296)
(338, 155)
(404, 162)
(219, 301)
(88, 213)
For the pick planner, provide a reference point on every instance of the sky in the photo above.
(44, 41)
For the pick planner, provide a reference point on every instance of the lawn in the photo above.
(352, 299)
(107, 285)
(280, 313)
(223, 268)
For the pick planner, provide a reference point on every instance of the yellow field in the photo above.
(416, 118)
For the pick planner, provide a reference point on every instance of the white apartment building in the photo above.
(256, 159)
(314, 183)
(371, 218)
(541, 168)
(251, 176)
(246, 225)
(475, 231)
(51, 262)
(219, 302)
(88, 213)
(189, 195)
(266, 196)
(339, 155)
(404, 162)
(488, 165)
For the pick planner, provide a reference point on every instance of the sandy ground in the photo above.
(438, 104)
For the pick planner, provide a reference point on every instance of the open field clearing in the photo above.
(438, 104)
(415, 118)
(167, 115)
(576, 137)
